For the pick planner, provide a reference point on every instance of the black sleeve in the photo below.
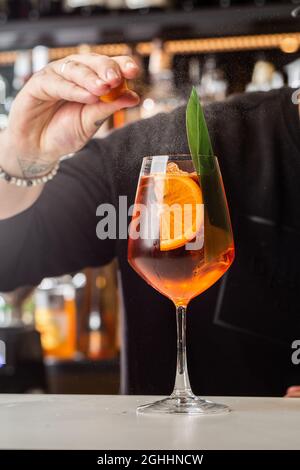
(57, 235)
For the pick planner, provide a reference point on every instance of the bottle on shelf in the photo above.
(22, 70)
(265, 77)
(40, 58)
(293, 73)
(140, 4)
(102, 318)
(194, 74)
(55, 317)
(213, 86)
(9, 88)
(162, 96)
(97, 337)
(84, 7)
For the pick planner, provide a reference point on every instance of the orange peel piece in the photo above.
(114, 93)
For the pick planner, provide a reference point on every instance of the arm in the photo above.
(58, 233)
(55, 114)
(13, 199)
(50, 230)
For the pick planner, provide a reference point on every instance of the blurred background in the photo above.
(63, 335)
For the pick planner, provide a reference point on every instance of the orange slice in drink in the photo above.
(181, 209)
(114, 93)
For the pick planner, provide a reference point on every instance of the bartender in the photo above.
(240, 330)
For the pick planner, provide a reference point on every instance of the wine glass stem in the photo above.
(182, 386)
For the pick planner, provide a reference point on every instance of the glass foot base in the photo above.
(190, 405)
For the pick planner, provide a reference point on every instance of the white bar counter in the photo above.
(110, 422)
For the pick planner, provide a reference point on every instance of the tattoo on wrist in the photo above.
(34, 168)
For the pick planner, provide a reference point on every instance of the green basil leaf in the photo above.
(197, 134)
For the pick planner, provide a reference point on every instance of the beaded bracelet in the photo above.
(27, 182)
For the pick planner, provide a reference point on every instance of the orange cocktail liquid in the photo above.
(179, 273)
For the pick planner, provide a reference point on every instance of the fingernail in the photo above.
(130, 65)
(111, 74)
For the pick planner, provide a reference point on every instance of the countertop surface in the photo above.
(110, 422)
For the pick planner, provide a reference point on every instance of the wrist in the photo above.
(28, 181)
(18, 164)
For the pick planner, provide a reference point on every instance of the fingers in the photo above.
(82, 78)
(94, 115)
(55, 88)
(128, 66)
(293, 392)
(110, 70)
(81, 75)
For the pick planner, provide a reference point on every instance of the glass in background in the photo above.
(163, 95)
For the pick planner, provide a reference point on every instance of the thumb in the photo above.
(93, 115)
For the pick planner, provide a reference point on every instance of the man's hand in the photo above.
(59, 110)
(293, 392)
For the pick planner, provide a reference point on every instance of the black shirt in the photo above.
(239, 332)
